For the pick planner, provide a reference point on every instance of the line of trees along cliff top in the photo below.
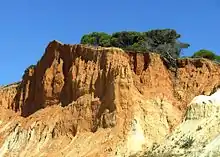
(163, 41)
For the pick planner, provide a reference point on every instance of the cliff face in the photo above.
(111, 97)
(7, 95)
(198, 134)
(67, 72)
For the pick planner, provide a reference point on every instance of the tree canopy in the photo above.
(97, 39)
(203, 53)
(162, 41)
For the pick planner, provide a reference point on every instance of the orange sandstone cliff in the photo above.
(87, 102)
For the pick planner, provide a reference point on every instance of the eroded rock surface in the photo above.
(198, 134)
(84, 101)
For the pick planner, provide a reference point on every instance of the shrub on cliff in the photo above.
(206, 54)
(27, 69)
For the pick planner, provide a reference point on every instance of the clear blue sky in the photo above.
(27, 26)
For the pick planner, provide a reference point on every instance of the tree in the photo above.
(96, 39)
(162, 36)
(204, 54)
(124, 39)
(166, 40)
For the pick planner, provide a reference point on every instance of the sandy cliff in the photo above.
(84, 101)
(198, 134)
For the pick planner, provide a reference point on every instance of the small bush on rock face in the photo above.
(188, 143)
(198, 128)
(26, 70)
(30, 67)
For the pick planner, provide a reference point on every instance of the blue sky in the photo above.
(26, 26)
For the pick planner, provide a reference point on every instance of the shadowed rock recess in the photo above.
(83, 101)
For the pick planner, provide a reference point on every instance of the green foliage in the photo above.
(162, 41)
(217, 58)
(97, 39)
(124, 39)
(204, 54)
(163, 36)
